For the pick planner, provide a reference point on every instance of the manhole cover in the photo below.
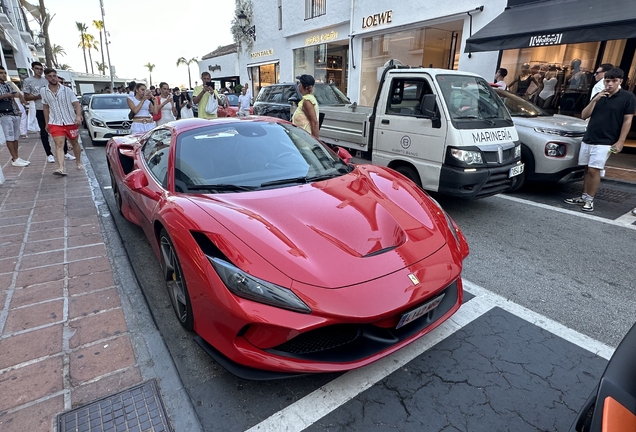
(138, 409)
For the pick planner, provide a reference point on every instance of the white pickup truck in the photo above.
(445, 130)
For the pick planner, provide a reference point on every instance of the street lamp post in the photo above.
(110, 67)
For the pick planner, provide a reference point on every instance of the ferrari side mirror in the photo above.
(344, 155)
(138, 182)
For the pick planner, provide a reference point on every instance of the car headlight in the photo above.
(251, 288)
(98, 123)
(467, 156)
(555, 149)
(550, 131)
(449, 221)
(517, 151)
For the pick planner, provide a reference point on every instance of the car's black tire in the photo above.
(175, 282)
(116, 192)
(528, 161)
(410, 173)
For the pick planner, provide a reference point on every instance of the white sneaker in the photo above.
(19, 163)
(68, 156)
(50, 159)
(24, 161)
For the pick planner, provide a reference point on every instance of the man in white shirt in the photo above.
(599, 74)
(248, 91)
(244, 103)
(63, 115)
(499, 78)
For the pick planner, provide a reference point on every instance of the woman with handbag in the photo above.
(186, 106)
(165, 103)
(142, 108)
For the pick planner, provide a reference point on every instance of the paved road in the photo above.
(551, 297)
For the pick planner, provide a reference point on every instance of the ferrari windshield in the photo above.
(519, 107)
(471, 98)
(248, 155)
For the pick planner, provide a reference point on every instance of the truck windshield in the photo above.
(471, 98)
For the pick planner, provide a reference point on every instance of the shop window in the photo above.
(315, 8)
(406, 96)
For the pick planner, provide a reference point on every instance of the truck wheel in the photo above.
(528, 160)
(520, 180)
(410, 173)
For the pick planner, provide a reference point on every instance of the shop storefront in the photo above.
(552, 48)
(325, 56)
(262, 72)
(435, 46)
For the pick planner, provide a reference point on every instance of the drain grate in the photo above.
(604, 194)
(138, 409)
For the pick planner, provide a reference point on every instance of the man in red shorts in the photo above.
(63, 115)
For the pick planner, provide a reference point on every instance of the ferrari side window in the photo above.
(156, 153)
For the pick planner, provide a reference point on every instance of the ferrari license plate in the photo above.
(516, 170)
(420, 311)
(123, 131)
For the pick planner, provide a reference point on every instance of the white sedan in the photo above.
(106, 116)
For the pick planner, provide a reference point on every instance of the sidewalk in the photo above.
(65, 334)
(622, 166)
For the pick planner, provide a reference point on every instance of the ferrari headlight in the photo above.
(98, 123)
(467, 156)
(449, 221)
(251, 288)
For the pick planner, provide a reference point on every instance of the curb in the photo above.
(152, 353)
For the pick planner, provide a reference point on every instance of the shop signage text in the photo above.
(377, 19)
(212, 68)
(263, 53)
(550, 39)
(325, 37)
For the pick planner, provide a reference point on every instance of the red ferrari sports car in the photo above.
(282, 257)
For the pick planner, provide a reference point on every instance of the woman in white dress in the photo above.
(143, 106)
(166, 105)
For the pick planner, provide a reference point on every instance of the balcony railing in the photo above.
(315, 8)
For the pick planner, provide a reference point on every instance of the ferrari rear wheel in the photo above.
(116, 192)
(175, 282)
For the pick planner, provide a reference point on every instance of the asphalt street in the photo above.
(552, 295)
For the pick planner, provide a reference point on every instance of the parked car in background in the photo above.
(550, 143)
(106, 116)
(274, 100)
(233, 99)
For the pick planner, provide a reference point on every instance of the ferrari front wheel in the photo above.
(175, 282)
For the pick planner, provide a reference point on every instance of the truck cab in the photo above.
(447, 131)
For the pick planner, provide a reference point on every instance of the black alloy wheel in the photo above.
(116, 192)
(175, 282)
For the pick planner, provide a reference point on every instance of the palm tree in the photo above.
(183, 61)
(81, 27)
(101, 67)
(99, 25)
(89, 43)
(150, 68)
(64, 66)
(57, 51)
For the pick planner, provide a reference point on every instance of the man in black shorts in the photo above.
(610, 113)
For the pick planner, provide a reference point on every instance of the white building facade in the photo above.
(347, 42)
(17, 40)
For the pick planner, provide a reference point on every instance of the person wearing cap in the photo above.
(307, 112)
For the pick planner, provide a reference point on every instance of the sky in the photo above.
(142, 31)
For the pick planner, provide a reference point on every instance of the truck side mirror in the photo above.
(428, 108)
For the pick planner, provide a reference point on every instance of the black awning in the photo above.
(556, 22)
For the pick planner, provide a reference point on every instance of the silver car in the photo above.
(106, 116)
(550, 143)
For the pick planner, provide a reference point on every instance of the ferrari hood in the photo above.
(334, 233)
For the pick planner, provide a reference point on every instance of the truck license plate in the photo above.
(420, 311)
(123, 132)
(516, 170)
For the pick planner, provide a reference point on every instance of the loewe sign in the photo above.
(377, 19)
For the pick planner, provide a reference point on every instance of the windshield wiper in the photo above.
(467, 117)
(222, 187)
(305, 179)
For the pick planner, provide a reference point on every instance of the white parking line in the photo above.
(623, 221)
(308, 410)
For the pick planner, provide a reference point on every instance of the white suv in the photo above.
(106, 116)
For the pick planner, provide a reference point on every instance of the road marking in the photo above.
(627, 219)
(620, 222)
(308, 410)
